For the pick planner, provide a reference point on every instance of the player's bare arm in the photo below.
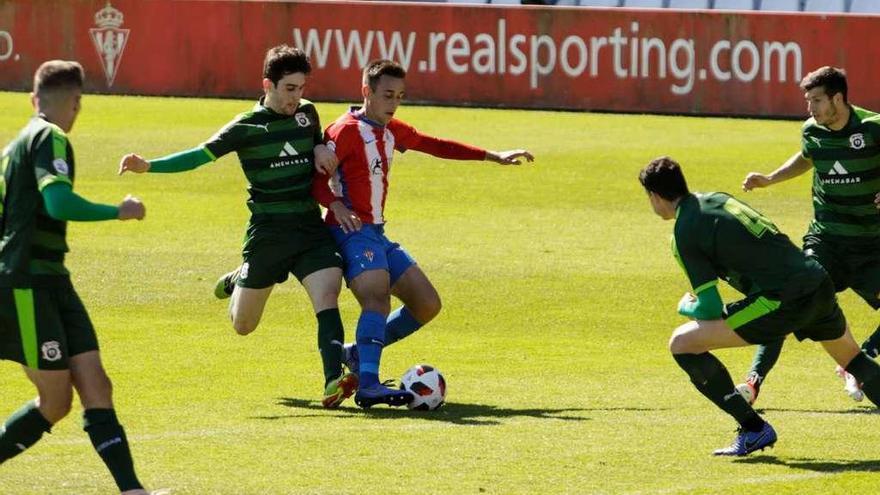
(133, 163)
(793, 167)
(509, 157)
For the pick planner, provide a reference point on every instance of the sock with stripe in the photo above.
(23, 429)
(108, 439)
(713, 380)
(400, 324)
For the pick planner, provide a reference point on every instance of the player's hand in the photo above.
(325, 160)
(755, 180)
(348, 220)
(133, 163)
(509, 157)
(877, 200)
(131, 208)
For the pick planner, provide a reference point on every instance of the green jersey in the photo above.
(276, 152)
(33, 244)
(717, 236)
(846, 175)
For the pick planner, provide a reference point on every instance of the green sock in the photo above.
(331, 337)
(765, 358)
(110, 443)
(713, 380)
(22, 430)
(867, 372)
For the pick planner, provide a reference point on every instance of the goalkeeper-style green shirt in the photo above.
(846, 175)
(718, 237)
(33, 244)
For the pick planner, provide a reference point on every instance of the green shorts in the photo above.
(42, 328)
(273, 250)
(853, 264)
(759, 319)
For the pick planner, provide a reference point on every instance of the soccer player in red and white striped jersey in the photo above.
(364, 140)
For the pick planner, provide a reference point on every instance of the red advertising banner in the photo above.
(667, 61)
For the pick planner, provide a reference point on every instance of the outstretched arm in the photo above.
(176, 162)
(64, 204)
(793, 167)
(510, 157)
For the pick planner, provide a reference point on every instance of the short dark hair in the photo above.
(283, 60)
(831, 79)
(55, 75)
(663, 176)
(382, 67)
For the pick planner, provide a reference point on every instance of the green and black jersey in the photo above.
(717, 236)
(277, 155)
(33, 244)
(846, 175)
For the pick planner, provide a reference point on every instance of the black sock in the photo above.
(765, 358)
(871, 346)
(22, 430)
(110, 443)
(331, 337)
(713, 380)
(867, 372)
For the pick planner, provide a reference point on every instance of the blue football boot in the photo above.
(379, 393)
(747, 442)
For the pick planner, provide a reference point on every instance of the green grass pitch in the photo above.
(559, 294)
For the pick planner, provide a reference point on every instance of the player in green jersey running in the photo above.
(43, 323)
(718, 237)
(841, 144)
(279, 144)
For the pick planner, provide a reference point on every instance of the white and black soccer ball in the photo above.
(427, 385)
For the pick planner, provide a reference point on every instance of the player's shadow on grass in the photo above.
(455, 413)
(869, 410)
(818, 465)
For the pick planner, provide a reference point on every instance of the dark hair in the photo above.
(663, 177)
(382, 67)
(283, 60)
(831, 79)
(57, 75)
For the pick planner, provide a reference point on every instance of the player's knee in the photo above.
(679, 343)
(429, 310)
(243, 326)
(56, 406)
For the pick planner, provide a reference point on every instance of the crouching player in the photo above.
(717, 236)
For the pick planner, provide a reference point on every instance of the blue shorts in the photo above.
(369, 249)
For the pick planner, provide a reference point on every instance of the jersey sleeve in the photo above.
(693, 261)
(226, 140)
(51, 160)
(806, 145)
(407, 137)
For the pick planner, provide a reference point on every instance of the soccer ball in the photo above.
(427, 386)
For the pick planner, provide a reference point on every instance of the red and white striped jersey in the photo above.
(365, 150)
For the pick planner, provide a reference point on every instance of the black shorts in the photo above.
(852, 264)
(759, 319)
(42, 328)
(273, 250)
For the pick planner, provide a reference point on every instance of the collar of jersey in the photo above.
(358, 113)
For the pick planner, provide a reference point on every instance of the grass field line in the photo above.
(717, 487)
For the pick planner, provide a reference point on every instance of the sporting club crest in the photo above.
(857, 141)
(109, 40)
